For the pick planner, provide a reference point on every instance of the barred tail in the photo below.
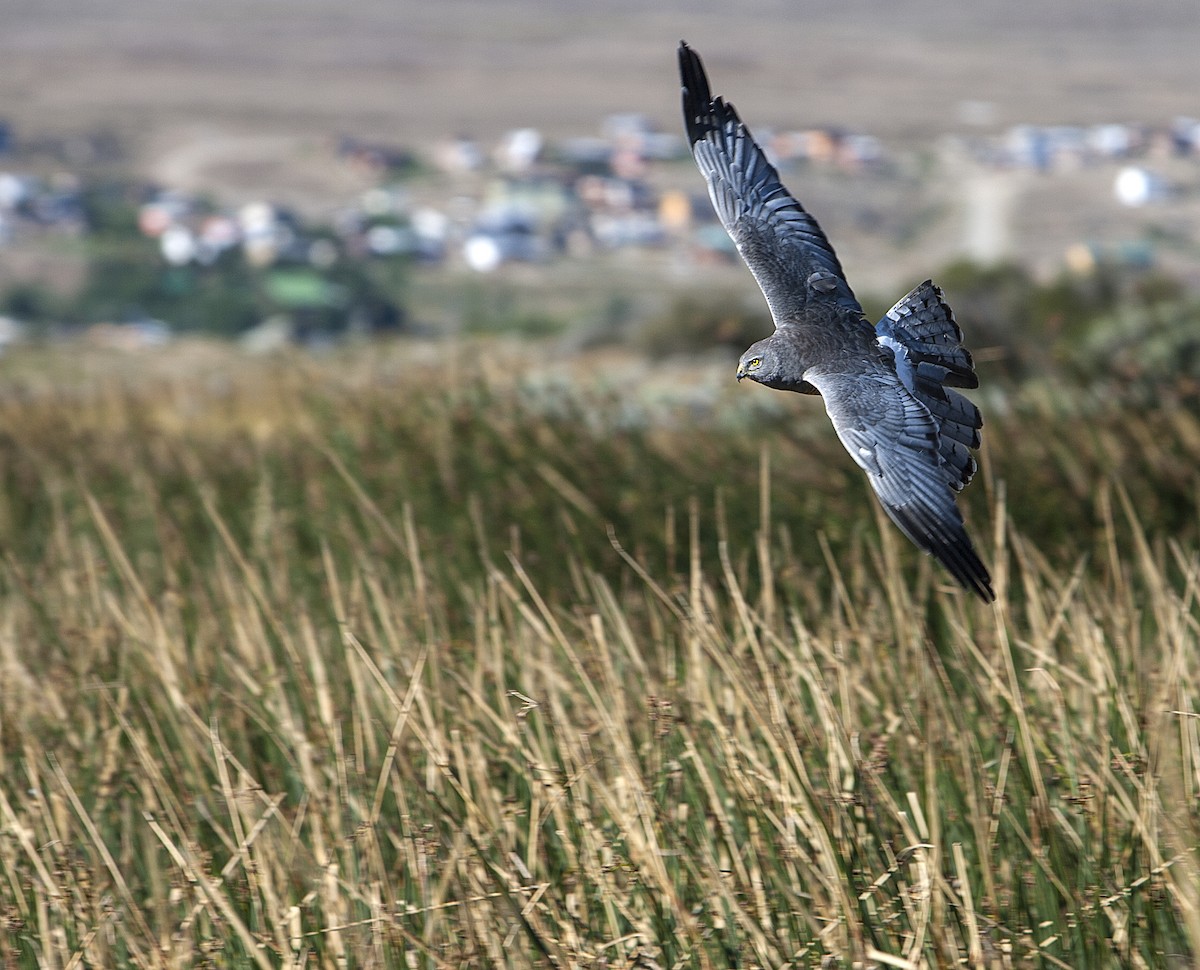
(926, 342)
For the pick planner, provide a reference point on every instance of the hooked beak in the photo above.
(740, 374)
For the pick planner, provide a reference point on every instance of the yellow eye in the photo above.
(755, 363)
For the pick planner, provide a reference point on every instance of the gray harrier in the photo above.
(886, 387)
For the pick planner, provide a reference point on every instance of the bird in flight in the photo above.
(888, 388)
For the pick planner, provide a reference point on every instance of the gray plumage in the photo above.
(888, 388)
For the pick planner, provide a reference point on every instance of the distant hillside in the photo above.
(899, 68)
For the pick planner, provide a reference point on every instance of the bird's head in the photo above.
(760, 363)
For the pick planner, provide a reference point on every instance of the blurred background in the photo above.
(282, 172)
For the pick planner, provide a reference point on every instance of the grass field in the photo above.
(414, 657)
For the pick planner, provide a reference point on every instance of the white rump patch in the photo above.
(904, 368)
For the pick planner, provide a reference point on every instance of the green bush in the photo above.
(697, 324)
(1147, 354)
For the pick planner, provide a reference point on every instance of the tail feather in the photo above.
(957, 417)
(926, 343)
(924, 323)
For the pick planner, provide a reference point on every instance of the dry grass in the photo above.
(303, 665)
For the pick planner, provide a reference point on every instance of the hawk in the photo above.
(888, 388)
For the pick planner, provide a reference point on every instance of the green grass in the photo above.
(388, 659)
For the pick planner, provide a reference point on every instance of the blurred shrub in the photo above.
(694, 324)
(132, 283)
(33, 303)
(110, 207)
(495, 309)
(1129, 334)
(1147, 353)
(1034, 328)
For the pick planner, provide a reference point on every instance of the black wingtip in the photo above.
(978, 581)
(945, 538)
(956, 552)
(698, 106)
(964, 564)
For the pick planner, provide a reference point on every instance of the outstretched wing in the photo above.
(780, 242)
(894, 438)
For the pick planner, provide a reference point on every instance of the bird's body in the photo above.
(888, 387)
